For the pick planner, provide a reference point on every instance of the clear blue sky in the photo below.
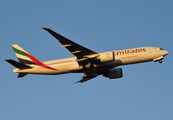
(145, 91)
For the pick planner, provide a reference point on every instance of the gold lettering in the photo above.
(144, 49)
(136, 50)
(122, 52)
(133, 51)
(127, 52)
(139, 50)
(118, 53)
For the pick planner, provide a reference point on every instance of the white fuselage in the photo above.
(121, 57)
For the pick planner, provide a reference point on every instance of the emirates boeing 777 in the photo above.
(85, 61)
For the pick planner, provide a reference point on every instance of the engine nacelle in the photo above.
(106, 56)
(114, 73)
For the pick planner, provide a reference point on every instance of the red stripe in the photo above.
(38, 62)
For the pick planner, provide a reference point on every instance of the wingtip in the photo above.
(78, 82)
(45, 28)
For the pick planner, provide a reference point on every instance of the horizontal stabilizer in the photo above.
(21, 75)
(84, 79)
(17, 64)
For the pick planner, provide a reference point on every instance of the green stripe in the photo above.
(19, 51)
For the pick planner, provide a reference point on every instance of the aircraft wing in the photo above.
(79, 51)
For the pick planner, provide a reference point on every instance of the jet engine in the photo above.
(114, 73)
(106, 56)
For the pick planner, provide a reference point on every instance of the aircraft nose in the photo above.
(165, 52)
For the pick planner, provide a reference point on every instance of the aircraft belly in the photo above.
(148, 57)
(75, 67)
(131, 59)
(126, 59)
(64, 68)
(138, 58)
(35, 71)
(58, 69)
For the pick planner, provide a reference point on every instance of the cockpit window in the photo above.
(161, 49)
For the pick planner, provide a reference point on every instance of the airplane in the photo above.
(86, 61)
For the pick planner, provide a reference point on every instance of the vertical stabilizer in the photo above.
(22, 55)
(26, 58)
